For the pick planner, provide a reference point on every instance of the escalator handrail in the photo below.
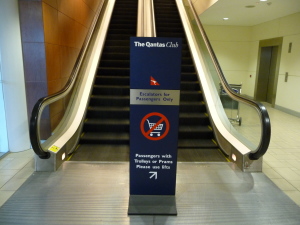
(146, 19)
(140, 21)
(153, 26)
(264, 116)
(43, 102)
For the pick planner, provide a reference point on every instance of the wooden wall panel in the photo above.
(52, 34)
(50, 18)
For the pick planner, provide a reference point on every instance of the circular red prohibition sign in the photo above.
(155, 126)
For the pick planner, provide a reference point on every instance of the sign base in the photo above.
(152, 205)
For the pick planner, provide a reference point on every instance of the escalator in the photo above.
(95, 127)
(105, 135)
(196, 138)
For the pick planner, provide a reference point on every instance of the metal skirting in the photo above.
(98, 193)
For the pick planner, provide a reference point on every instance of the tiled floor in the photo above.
(281, 163)
(15, 168)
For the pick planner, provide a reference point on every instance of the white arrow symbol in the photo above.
(153, 174)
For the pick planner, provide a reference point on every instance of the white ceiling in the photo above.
(239, 15)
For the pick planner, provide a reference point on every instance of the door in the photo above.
(267, 73)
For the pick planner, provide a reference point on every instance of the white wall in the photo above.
(287, 27)
(13, 77)
(237, 51)
(231, 45)
(288, 93)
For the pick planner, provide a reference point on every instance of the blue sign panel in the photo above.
(155, 69)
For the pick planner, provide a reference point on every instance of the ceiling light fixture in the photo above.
(225, 18)
(263, 0)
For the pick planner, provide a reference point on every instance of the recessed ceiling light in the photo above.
(263, 0)
(225, 18)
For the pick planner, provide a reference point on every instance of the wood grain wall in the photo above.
(52, 34)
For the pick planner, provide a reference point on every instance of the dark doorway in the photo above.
(267, 73)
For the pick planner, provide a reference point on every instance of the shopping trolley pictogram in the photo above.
(158, 127)
(156, 131)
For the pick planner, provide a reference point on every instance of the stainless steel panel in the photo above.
(98, 193)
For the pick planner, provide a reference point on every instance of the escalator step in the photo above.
(120, 49)
(188, 76)
(105, 138)
(113, 71)
(191, 109)
(115, 56)
(190, 85)
(198, 144)
(108, 112)
(112, 80)
(105, 101)
(110, 90)
(102, 152)
(195, 132)
(107, 125)
(191, 96)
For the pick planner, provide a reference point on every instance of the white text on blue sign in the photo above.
(158, 162)
(156, 44)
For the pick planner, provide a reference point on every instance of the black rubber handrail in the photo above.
(264, 116)
(43, 102)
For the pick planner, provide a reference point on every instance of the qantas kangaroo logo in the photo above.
(153, 81)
